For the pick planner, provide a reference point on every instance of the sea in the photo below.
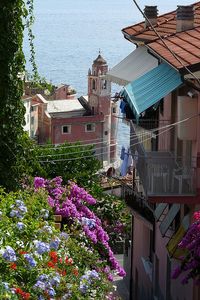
(70, 33)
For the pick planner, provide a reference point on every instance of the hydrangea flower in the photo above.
(18, 209)
(44, 214)
(40, 284)
(9, 254)
(21, 225)
(30, 260)
(47, 229)
(55, 281)
(83, 288)
(42, 247)
(54, 244)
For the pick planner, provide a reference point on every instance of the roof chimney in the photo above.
(151, 13)
(184, 17)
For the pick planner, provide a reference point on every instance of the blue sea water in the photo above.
(69, 34)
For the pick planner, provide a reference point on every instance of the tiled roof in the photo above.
(186, 46)
(166, 26)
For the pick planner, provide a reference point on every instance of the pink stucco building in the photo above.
(162, 90)
(88, 119)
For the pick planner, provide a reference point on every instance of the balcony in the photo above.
(161, 173)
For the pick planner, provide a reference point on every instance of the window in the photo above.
(90, 127)
(93, 84)
(114, 110)
(106, 132)
(104, 85)
(32, 120)
(66, 129)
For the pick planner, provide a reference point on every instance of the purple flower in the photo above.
(110, 277)
(39, 182)
(20, 225)
(83, 288)
(64, 235)
(51, 292)
(9, 254)
(176, 272)
(40, 284)
(55, 244)
(30, 260)
(44, 214)
(55, 280)
(42, 247)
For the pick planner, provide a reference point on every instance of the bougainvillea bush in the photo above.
(189, 267)
(39, 262)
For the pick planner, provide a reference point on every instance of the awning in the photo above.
(151, 87)
(136, 64)
(172, 246)
(159, 210)
(169, 218)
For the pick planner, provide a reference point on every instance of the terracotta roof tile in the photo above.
(186, 45)
(166, 26)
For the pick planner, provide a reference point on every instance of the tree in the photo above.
(75, 162)
(11, 91)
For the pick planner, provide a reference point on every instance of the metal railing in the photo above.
(161, 172)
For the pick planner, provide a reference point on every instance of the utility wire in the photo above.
(44, 145)
(132, 137)
(71, 146)
(72, 153)
(163, 41)
(100, 154)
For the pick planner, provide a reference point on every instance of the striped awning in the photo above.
(136, 64)
(147, 90)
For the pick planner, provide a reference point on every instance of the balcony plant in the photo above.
(189, 267)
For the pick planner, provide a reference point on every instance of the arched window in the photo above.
(93, 84)
(104, 85)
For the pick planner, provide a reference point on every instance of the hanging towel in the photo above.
(124, 166)
(122, 153)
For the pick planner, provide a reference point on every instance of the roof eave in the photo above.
(136, 40)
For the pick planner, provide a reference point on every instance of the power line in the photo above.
(132, 137)
(44, 145)
(72, 153)
(72, 146)
(75, 158)
(100, 154)
(141, 133)
(163, 41)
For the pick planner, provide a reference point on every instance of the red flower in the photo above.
(75, 272)
(22, 252)
(51, 264)
(54, 256)
(26, 296)
(63, 273)
(13, 266)
(18, 291)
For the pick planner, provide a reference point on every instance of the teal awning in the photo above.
(145, 91)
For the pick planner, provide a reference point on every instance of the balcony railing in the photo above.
(160, 171)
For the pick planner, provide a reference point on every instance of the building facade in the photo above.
(88, 119)
(164, 99)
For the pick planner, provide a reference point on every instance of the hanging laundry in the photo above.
(127, 162)
(122, 153)
(122, 106)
